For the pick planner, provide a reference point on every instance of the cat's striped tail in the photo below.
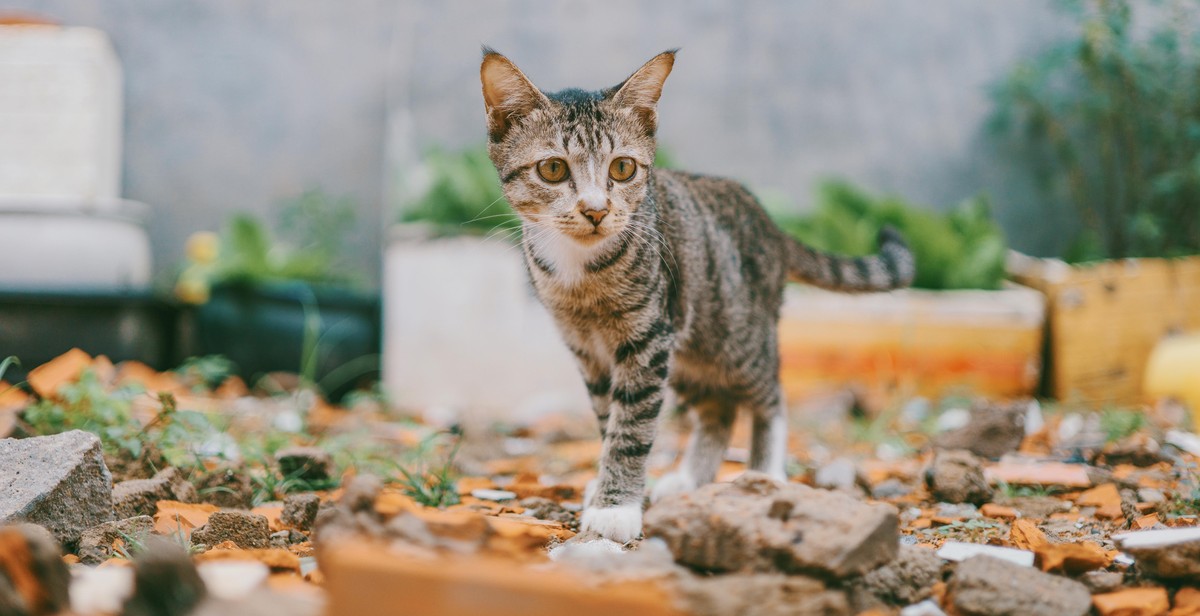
(892, 267)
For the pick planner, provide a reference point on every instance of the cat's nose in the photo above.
(596, 215)
(595, 207)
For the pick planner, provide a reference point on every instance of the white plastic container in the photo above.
(56, 244)
(60, 113)
(464, 337)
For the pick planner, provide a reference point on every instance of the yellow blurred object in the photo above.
(192, 290)
(1174, 370)
(203, 247)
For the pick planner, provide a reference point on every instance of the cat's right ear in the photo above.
(508, 95)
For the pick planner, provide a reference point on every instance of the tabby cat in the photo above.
(656, 278)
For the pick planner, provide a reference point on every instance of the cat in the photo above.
(655, 278)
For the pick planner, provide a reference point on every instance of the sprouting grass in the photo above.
(432, 487)
(1009, 490)
(1119, 423)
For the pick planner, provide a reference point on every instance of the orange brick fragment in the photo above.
(1132, 602)
(174, 516)
(1025, 535)
(1187, 602)
(272, 513)
(64, 369)
(1039, 473)
(1110, 512)
(1071, 557)
(921, 524)
(1103, 495)
(1146, 521)
(277, 559)
(1000, 512)
(390, 503)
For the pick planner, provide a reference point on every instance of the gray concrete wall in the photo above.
(238, 104)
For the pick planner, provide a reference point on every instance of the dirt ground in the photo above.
(278, 498)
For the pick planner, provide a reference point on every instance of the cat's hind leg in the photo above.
(712, 425)
(768, 439)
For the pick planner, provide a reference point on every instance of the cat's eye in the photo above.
(622, 169)
(553, 170)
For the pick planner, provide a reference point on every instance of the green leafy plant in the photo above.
(206, 372)
(247, 252)
(89, 405)
(1110, 119)
(962, 249)
(461, 193)
(1118, 423)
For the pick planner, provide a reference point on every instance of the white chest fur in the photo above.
(567, 258)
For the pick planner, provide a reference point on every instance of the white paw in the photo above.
(671, 484)
(621, 524)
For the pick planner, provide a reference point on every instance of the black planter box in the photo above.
(37, 326)
(262, 328)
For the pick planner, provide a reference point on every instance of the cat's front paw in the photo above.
(622, 523)
(671, 484)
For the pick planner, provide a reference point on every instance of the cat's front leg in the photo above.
(614, 509)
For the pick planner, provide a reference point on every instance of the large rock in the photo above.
(759, 524)
(986, 586)
(1169, 554)
(957, 477)
(59, 482)
(306, 463)
(140, 496)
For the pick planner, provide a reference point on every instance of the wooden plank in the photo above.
(370, 580)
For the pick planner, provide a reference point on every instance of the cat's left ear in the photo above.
(508, 95)
(641, 91)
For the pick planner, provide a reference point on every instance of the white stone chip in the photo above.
(493, 495)
(100, 590)
(233, 579)
(927, 607)
(957, 551)
(1184, 440)
(1157, 538)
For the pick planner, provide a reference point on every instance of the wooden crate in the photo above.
(1105, 318)
(888, 346)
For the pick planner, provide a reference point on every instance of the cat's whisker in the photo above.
(498, 200)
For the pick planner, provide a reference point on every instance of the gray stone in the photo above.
(839, 474)
(306, 463)
(300, 510)
(991, 431)
(95, 545)
(890, 488)
(285, 538)
(59, 482)
(140, 496)
(546, 509)
(34, 550)
(759, 524)
(986, 586)
(1099, 582)
(245, 529)
(906, 580)
(760, 594)
(957, 477)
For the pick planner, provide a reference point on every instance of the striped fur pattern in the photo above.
(677, 287)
